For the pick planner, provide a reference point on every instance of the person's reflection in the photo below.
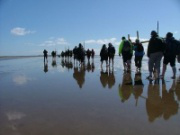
(92, 66)
(170, 106)
(107, 77)
(177, 89)
(138, 87)
(111, 78)
(79, 75)
(88, 67)
(104, 77)
(125, 89)
(154, 104)
(54, 63)
(62, 63)
(68, 64)
(45, 67)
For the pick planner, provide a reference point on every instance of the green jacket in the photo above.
(121, 46)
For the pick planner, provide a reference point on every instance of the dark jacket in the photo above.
(155, 45)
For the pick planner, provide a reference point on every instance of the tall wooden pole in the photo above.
(158, 27)
(128, 37)
(138, 35)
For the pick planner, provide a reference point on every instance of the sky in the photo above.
(27, 27)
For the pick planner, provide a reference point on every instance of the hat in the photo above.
(110, 44)
(169, 35)
(123, 38)
(154, 33)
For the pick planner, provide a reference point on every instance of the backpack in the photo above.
(140, 48)
(178, 47)
(126, 46)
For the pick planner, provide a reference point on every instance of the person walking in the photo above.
(45, 54)
(104, 55)
(155, 53)
(170, 54)
(126, 49)
(88, 53)
(92, 54)
(81, 54)
(111, 53)
(139, 53)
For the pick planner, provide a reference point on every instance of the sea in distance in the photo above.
(62, 98)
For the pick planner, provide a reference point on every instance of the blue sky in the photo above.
(29, 26)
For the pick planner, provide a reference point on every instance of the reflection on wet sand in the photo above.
(78, 70)
(45, 67)
(31, 106)
(107, 77)
(161, 106)
(138, 87)
(126, 87)
(177, 89)
(153, 102)
(156, 105)
(170, 106)
(67, 63)
(79, 75)
(54, 63)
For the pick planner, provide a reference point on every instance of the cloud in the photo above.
(102, 41)
(54, 42)
(114, 41)
(18, 31)
(176, 32)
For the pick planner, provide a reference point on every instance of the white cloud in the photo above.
(54, 42)
(114, 41)
(18, 31)
(176, 32)
(102, 41)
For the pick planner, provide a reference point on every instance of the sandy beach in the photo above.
(62, 98)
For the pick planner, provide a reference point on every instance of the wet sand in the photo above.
(61, 98)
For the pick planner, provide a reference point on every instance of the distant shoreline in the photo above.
(18, 57)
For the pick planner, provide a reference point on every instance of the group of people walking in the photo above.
(167, 47)
(159, 48)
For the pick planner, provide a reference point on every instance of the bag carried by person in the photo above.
(178, 47)
(126, 46)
